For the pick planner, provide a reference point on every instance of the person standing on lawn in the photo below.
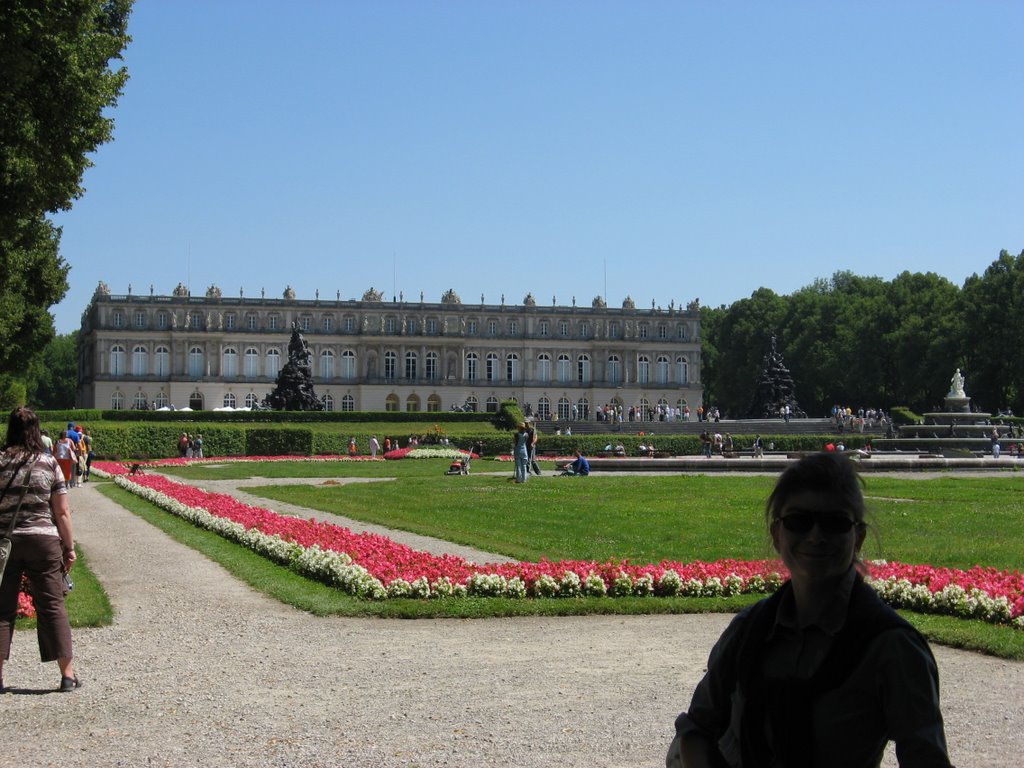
(822, 673)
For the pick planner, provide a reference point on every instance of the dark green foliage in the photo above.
(509, 415)
(52, 377)
(279, 442)
(902, 415)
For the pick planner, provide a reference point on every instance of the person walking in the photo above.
(42, 544)
(521, 453)
(822, 673)
(374, 447)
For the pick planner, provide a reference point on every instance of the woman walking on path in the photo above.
(822, 673)
(42, 543)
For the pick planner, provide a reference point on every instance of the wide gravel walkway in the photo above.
(199, 670)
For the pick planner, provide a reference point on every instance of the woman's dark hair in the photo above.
(23, 431)
(829, 472)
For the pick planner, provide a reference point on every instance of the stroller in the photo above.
(459, 466)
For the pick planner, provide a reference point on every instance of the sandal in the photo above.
(68, 684)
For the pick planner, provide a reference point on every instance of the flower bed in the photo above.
(375, 567)
(428, 452)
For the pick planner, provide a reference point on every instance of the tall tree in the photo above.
(52, 378)
(56, 83)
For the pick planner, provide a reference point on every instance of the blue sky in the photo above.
(662, 150)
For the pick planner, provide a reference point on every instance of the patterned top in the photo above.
(46, 479)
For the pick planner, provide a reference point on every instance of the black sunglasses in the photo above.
(803, 522)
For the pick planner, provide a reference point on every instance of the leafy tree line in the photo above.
(863, 341)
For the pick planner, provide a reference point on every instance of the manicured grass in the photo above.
(87, 604)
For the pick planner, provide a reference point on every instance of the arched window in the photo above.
(162, 362)
(140, 402)
(492, 366)
(544, 368)
(230, 401)
(328, 398)
(643, 369)
(431, 368)
(512, 367)
(273, 363)
(682, 371)
(564, 369)
(410, 369)
(348, 403)
(251, 401)
(140, 361)
(160, 401)
(348, 364)
(390, 367)
(583, 369)
(195, 401)
(195, 363)
(613, 372)
(583, 409)
(491, 406)
(391, 402)
(412, 403)
(117, 402)
(645, 409)
(544, 408)
(434, 403)
(327, 365)
(229, 363)
(564, 408)
(471, 366)
(117, 361)
(472, 403)
(661, 370)
(252, 362)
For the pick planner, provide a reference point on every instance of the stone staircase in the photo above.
(732, 426)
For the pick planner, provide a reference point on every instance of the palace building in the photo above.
(212, 351)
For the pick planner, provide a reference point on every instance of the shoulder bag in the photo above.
(5, 542)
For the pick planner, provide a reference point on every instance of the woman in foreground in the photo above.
(822, 673)
(43, 545)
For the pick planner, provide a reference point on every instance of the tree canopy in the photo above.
(57, 83)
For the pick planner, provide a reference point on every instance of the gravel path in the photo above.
(199, 670)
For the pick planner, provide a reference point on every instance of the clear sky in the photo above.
(662, 150)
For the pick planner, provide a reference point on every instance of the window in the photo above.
(513, 327)
(306, 323)
(681, 332)
(140, 401)
(272, 322)
(195, 401)
(390, 366)
(389, 325)
(564, 408)
(162, 362)
(613, 330)
(327, 364)
(252, 362)
(160, 401)
(140, 361)
(273, 363)
(410, 328)
(348, 403)
(643, 370)
(682, 374)
(431, 329)
(431, 368)
(471, 328)
(564, 369)
(544, 409)
(662, 332)
(642, 330)
(661, 370)
(350, 325)
(348, 364)
(492, 366)
(583, 369)
(544, 368)
(410, 367)
(229, 321)
(117, 402)
(230, 401)
(251, 322)
(563, 328)
(251, 401)
(583, 409)
(229, 363)
(117, 360)
(195, 321)
(195, 362)
(140, 319)
(162, 321)
(391, 402)
(434, 404)
(119, 319)
(543, 328)
(412, 403)
(328, 402)
(512, 367)
(584, 330)
(471, 363)
(472, 404)
(492, 328)
(327, 323)
(491, 406)
(613, 372)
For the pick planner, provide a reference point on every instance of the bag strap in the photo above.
(21, 496)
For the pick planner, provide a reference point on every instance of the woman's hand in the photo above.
(69, 557)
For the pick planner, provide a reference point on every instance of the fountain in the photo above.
(954, 432)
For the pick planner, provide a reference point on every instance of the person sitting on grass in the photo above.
(579, 466)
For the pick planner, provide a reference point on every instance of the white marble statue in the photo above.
(956, 385)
